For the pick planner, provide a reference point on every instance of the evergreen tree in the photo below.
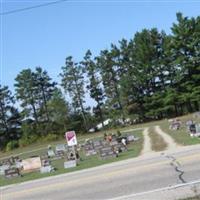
(94, 85)
(10, 121)
(73, 83)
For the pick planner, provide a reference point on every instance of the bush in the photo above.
(25, 141)
(50, 137)
(12, 145)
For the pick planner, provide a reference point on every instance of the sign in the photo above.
(31, 164)
(71, 138)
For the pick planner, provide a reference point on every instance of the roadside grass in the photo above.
(134, 150)
(181, 136)
(157, 141)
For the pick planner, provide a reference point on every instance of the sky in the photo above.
(45, 36)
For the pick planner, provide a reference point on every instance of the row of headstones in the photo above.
(10, 167)
(192, 127)
(13, 166)
(107, 149)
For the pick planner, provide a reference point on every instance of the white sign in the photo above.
(71, 138)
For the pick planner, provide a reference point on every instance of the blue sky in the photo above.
(46, 36)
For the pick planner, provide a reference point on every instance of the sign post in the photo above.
(71, 138)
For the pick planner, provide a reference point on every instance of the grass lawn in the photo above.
(181, 136)
(134, 150)
(157, 142)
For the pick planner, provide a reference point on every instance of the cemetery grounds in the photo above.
(180, 136)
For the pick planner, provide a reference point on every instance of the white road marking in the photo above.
(156, 190)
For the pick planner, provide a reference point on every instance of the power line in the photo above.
(32, 7)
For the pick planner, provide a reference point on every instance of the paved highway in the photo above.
(167, 175)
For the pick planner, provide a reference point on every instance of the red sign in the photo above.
(71, 138)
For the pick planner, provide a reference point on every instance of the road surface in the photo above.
(167, 175)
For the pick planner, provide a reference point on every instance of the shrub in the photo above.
(12, 145)
(50, 137)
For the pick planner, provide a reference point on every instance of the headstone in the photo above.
(51, 153)
(61, 147)
(12, 172)
(131, 138)
(69, 164)
(97, 144)
(107, 152)
(46, 169)
(89, 150)
(31, 164)
(19, 164)
(3, 168)
(192, 128)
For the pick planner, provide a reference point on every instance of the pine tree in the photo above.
(10, 120)
(94, 85)
(73, 83)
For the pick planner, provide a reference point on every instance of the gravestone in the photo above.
(46, 169)
(107, 152)
(89, 150)
(61, 147)
(131, 138)
(3, 168)
(50, 153)
(12, 172)
(97, 144)
(69, 164)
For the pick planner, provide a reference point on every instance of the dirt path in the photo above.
(147, 142)
(171, 144)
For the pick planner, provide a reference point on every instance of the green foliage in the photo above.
(50, 137)
(151, 76)
(11, 145)
(73, 83)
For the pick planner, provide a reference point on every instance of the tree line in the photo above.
(152, 76)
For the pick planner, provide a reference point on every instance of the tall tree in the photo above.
(10, 120)
(73, 83)
(108, 65)
(58, 112)
(94, 85)
(27, 93)
(45, 89)
(186, 45)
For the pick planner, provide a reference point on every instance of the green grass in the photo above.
(157, 142)
(134, 150)
(181, 136)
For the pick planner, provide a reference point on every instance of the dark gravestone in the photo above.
(89, 149)
(107, 152)
(3, 168)
(192, 128)
(12, 172)
(97, 144)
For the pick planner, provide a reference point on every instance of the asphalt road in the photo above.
(167, 175)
